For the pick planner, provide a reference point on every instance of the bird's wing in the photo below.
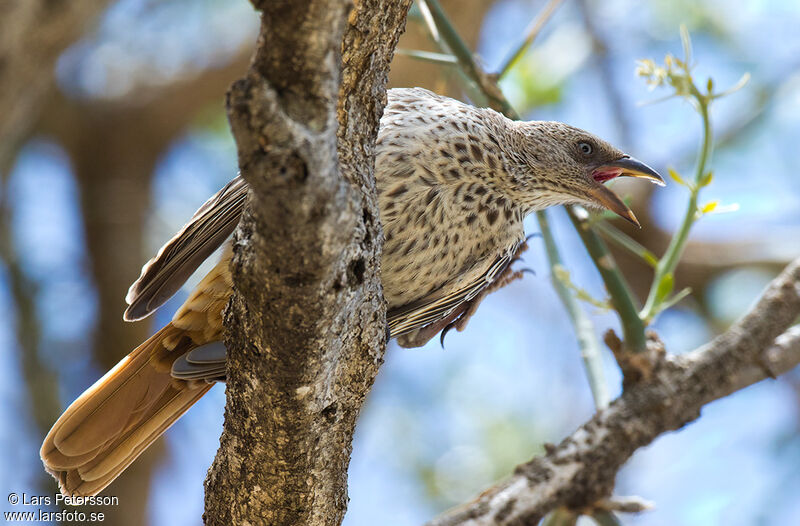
(437, 305)
(163, 275)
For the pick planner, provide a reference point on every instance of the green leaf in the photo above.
(710, 85)
(650, 259)
(562, 275)
(675, 299)
(706, 179)
(665, 287)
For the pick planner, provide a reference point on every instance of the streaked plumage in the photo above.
(454, 182)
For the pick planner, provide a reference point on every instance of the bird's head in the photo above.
(560, 164)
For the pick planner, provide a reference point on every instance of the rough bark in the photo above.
(581, 470)
(307, 324)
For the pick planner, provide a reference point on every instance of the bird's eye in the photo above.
(585, 148)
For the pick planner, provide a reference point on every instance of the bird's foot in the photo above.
(420, 337)
(508, 276)
(459, 318)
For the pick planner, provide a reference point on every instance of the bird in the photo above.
(454, 185)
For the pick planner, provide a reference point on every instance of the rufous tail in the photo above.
(118, 417)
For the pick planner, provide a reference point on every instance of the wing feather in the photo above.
(437, 306)
(208, 228)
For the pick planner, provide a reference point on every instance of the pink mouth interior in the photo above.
(604, 173)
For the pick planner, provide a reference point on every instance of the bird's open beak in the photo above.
(624, 167)
(628, 167)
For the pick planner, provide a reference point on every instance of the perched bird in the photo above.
(455, 183)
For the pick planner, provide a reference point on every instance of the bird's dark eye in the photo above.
(585, 148)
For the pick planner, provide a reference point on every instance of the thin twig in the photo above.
(666, 266)
(617, 286)
(487, 84)
(532, 31)
(625, 241)
(584, 328)
(442, 59)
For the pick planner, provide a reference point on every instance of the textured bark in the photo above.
(307, 324)
(581, 470)
(33, 33)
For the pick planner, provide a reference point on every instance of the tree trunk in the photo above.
(307, 325)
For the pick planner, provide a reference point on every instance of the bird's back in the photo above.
(445, 219)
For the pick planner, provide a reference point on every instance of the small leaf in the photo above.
(665, 287)
(709, 207)
(645, 67)
(706, 179)
(687, 44)
(724, 209)
(674, 300)
(736, 87)
(650, 259)
(677, 177)
(562, 274)
(710, 85)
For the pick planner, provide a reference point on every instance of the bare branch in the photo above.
(580, 471)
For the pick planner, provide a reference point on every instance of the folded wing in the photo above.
(163, 275)
(438, 305)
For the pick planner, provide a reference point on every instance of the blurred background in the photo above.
(131, 138)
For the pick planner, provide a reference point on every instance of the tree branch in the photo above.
(306, 327)
(582, 468)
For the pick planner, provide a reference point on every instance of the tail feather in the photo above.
(119, 416)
